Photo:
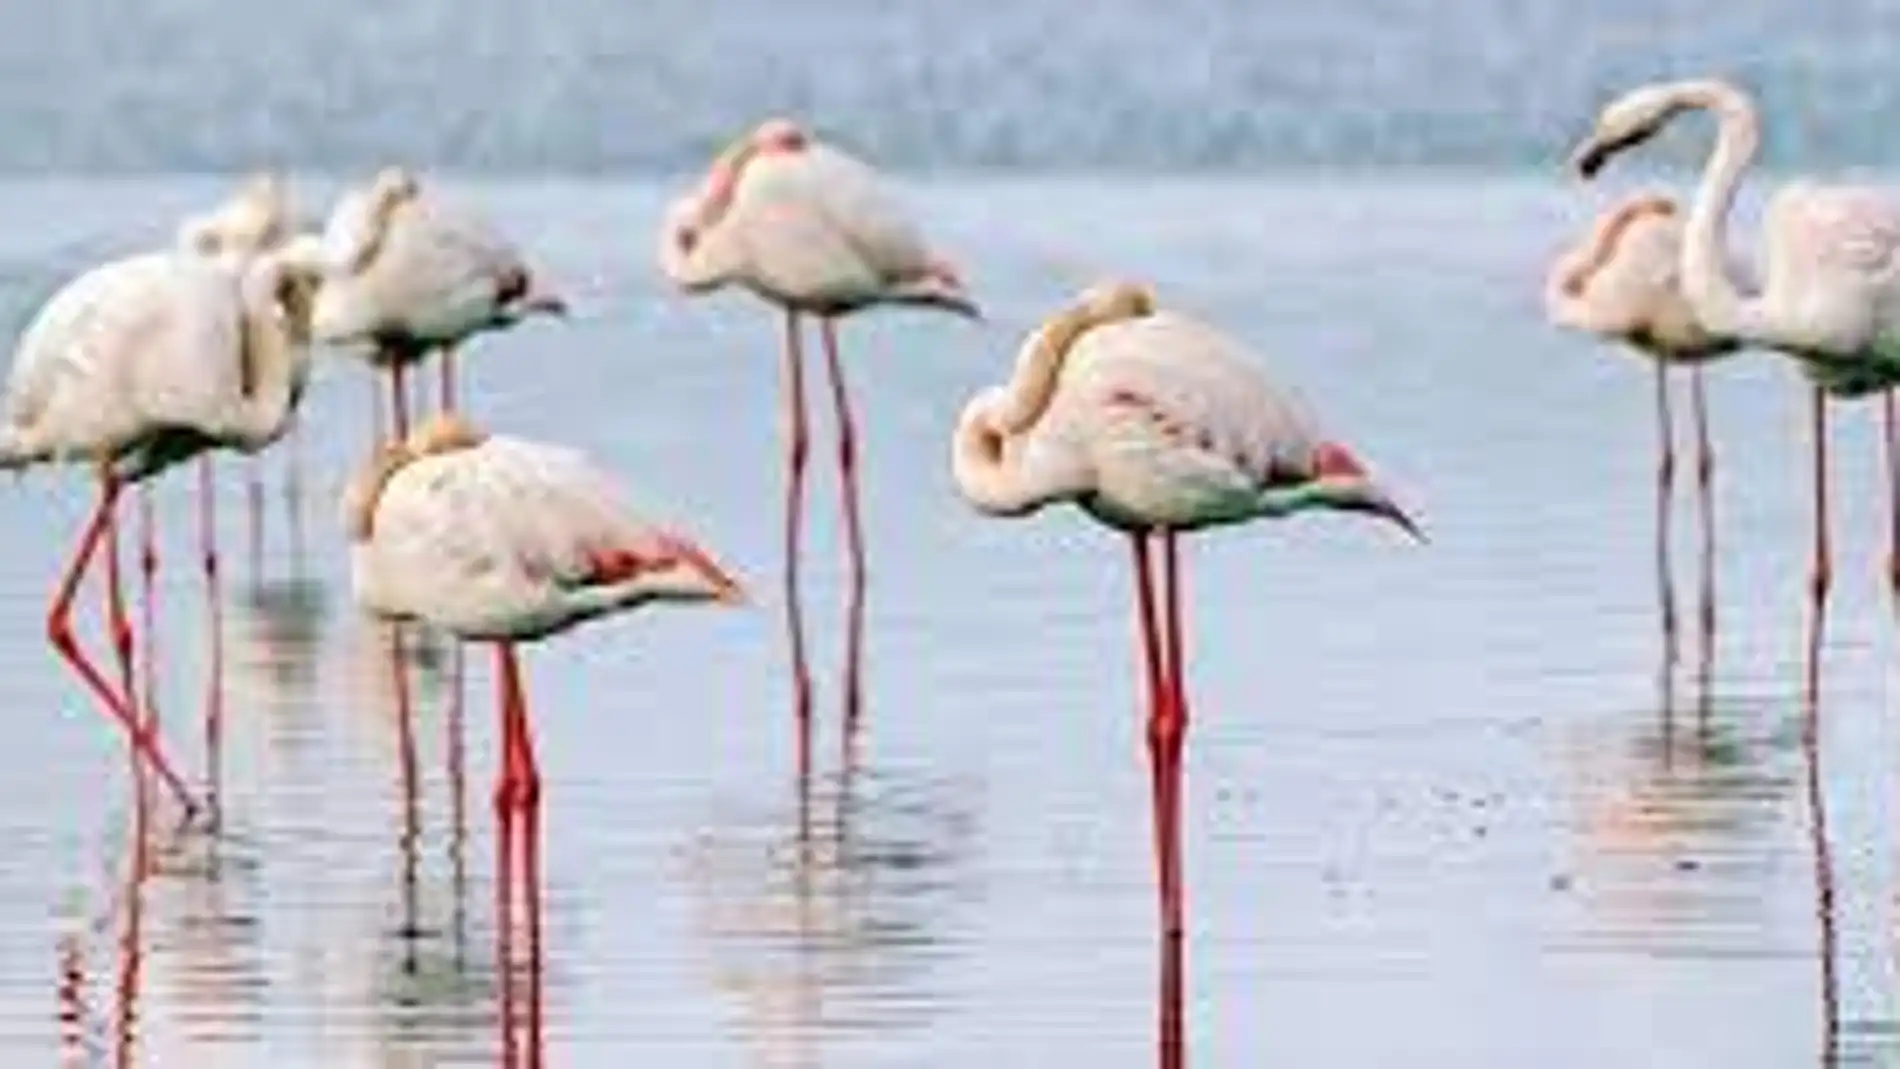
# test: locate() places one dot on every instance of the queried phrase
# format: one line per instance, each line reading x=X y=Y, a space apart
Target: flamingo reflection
x=835 y=918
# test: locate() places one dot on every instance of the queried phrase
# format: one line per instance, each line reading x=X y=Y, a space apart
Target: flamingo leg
x=214 y=611
x=1167 y=743
x=399 y=398
x=132 y=934
x=796 y=445
x=1155 y=652
x=527 y=799
x=448 y=378
x=118 y=621
x=410 y=836
x=406 y=762
x=458 y=825
x=1893 y=485
x=148 y=602
x=254 y=509
x=1821 y=577
x=379 y=416
x=505 y=786
x=59 y=632
x=1705 y=490
x=1665 y=486
x=853 y=527
x=293 y=491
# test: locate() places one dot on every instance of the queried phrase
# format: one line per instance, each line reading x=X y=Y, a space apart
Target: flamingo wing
x=1845 y=228
x=540 y=513
x=135 y=340
x=1182 y=414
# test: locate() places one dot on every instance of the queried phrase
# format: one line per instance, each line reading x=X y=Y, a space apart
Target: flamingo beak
x=722 y=587
x=1378 y=504
x=545 y=304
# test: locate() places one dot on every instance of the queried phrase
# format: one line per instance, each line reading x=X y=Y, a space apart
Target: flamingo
x=256 y=219
x=1621 y=282
x=132 y=368
x=1154 y=424
x=409 y=272
x=1831 y=292
x=812 y=229
x=504 y=540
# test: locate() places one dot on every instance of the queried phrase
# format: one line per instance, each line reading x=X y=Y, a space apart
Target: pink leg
x=1705 y=488
x=854 y=531
x=214 y=611
x=405 y=720
x=132 y=937
x=1665 y=484
x=796 y=445
x=59 y=632
x=148 y=603
x=1821 y=577
x=458 y=822
x=1160 y=699
x=505 y=787
x=1166 y=741
x=117 y=620
x=527 y=799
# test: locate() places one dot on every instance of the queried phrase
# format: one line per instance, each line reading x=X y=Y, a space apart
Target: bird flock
x=1146 y=418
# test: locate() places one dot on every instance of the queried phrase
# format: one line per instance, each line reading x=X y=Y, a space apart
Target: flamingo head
x=1338 y=481
x=661 y=566
x=1624 y=123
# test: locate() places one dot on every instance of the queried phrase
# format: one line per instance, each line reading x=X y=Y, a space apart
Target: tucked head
x=1337 y=480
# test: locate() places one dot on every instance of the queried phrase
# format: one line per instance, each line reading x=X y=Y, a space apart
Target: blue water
x=1444 y=808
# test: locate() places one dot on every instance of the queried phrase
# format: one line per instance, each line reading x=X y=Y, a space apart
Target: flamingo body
x=1623 y=282
x=503 y=538
x=408 y=267
x=807 y=226
x=1148 y=420
x=145 y=361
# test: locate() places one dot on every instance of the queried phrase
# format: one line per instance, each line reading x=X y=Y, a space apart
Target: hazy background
x=589 y=86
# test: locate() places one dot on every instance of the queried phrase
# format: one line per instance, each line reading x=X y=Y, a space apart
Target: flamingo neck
x=1718 y=303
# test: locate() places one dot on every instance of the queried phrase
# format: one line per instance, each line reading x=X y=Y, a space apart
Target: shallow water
x=1440 y=806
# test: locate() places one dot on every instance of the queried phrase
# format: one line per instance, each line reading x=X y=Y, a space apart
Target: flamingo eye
x=686 y=237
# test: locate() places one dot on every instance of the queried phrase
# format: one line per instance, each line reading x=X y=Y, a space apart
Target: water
x=1439 y=806
x=1443 y=805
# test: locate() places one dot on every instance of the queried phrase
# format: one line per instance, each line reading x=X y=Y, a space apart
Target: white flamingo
x=503 y=540
x=1621 y=282
x=812 y=229
x=1154 y=424
x=256 y=219
x=132 y=368
x=409 y=271
x=1831 y=270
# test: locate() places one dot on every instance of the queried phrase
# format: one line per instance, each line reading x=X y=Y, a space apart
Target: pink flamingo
x=410 y=272
x=1830 y=296
x=503 y=540
x=1622 y=282
x=1154 y=424
x=811 y=229
x=255 y=220
x=132 y=368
